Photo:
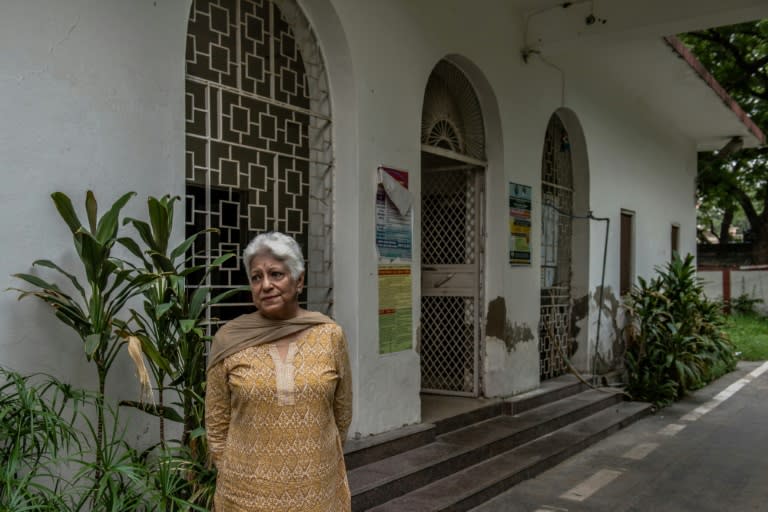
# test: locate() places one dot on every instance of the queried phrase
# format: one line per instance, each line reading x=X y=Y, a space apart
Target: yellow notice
x=395 y=308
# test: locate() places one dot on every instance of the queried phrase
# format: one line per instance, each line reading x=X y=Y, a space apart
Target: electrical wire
x=578 y=374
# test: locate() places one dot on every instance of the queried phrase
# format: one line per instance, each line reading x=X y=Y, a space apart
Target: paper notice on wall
x=395 y=308
x=519 y=224
x=393 y=215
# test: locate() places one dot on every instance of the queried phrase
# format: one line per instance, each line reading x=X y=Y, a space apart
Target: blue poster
x=393 y=215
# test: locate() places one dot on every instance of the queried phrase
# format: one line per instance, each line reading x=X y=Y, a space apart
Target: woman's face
x=275 y=293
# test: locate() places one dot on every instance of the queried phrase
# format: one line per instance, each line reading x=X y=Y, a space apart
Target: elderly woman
x=278 y=398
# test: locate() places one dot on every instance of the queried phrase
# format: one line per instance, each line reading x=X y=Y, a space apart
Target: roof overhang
x=716 y=119
x=628 y=45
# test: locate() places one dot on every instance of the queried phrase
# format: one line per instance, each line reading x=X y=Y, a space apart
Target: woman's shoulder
x=331 y=328
x=326 y=333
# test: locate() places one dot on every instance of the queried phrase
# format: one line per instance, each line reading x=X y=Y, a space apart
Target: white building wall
x=394 y=46
x=95 y=94
x=91 y=97
x=636 y=164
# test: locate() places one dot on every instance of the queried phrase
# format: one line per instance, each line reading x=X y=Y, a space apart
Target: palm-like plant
x=119 y=482
x=36 y=416
x=92 y=310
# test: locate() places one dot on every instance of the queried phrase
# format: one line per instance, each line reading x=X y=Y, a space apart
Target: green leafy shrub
x=743 y=304
x=35 y=428
x=677 y=342
x=75 y=462
x=47 y=442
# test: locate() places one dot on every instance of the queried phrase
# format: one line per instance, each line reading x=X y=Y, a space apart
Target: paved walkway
x=706 y=453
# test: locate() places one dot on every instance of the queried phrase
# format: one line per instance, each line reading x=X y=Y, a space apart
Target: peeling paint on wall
x=497 y=325
x=497 y=316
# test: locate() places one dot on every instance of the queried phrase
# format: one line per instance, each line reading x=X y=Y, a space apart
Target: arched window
x=258 y=140
x=451 y=118
x=555 y=339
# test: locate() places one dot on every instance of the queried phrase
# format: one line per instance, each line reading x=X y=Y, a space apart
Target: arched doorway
x=258 y=140
x=453 y=166
x=555 y=336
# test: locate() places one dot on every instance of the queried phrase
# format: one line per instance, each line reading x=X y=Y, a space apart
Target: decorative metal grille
x=258 y=140
x=451 y=116
x=449 y=323
x=448 y=218
x=555 y=339
x=448 y=349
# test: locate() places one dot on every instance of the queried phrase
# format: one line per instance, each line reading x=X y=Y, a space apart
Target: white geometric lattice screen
x=258 y=139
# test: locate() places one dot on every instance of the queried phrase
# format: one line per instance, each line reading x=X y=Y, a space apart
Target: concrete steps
x=462 y=461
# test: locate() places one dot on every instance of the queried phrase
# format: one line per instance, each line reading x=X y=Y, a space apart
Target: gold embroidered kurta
x=275 y=427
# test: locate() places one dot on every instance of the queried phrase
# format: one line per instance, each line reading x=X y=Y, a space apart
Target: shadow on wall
x=612 y=315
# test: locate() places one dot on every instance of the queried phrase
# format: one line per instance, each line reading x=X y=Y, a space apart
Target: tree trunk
x=760 y=244
x=725 y=226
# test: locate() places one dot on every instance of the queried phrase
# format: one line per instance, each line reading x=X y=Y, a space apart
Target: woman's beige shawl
x=253 y=329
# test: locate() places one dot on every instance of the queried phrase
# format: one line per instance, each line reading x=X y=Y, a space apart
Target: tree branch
x=713 y=230
x=746 y=204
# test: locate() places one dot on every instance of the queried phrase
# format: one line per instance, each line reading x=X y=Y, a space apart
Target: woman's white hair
x=280 y=246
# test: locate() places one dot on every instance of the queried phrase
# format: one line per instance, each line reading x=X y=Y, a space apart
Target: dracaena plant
x=678 y=343
x=171 y=322
x=172 y=328
x=92 y=309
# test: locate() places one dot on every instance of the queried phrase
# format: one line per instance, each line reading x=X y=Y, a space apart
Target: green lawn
x=749 y=332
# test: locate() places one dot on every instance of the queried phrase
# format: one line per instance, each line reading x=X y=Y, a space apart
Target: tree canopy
x=734 y=184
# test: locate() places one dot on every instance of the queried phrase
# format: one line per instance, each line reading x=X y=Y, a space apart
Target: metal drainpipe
x=602 y=287
x=590 y=216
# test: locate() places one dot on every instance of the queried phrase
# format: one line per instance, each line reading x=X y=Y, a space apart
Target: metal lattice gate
x=451 y=256
x=258 y=140
x=555 y=338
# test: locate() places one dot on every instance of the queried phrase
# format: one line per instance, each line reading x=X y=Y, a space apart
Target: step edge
x=443 y=426
x=550 y=426
x=387 y=444
x=630 y=417
x=557 y=458
x=548 y=391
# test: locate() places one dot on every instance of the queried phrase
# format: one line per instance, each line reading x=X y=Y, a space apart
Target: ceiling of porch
x=624 y=43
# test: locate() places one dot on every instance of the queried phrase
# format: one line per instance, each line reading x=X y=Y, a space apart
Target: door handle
x=444 y=280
